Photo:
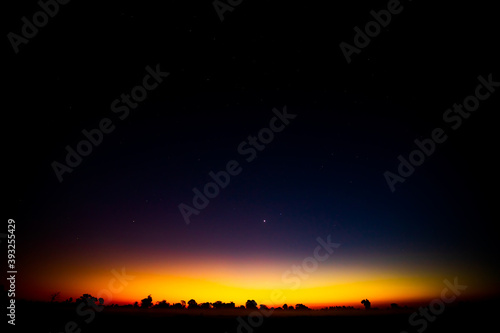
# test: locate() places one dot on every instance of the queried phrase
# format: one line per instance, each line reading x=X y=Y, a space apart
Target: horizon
x=317 y=290
x=377 y=305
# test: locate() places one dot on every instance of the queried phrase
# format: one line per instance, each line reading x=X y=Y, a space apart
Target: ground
x=31 y=317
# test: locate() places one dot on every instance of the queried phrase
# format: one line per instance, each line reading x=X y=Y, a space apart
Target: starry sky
x=322 y=175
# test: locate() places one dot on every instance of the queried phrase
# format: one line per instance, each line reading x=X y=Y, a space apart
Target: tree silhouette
x=205 y=305
x=183 y=303
x=263 y=307
x=178 y=306
x=366 y=303
x=285 y=306
x=251 y=304
x=220 y=305
x=54 y=296
x=162 y=305
x=89 y=299
x=301 y=307
x=147 y=302
x=192 y=304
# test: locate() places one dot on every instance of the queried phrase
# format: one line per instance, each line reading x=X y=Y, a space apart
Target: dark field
x=49 y=318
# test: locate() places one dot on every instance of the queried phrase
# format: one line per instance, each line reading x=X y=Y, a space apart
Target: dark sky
x=322 y=175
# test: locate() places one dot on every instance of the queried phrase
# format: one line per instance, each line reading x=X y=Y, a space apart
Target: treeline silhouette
x=147 y=303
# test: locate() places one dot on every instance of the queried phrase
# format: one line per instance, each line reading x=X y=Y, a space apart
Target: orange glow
x=209 y=281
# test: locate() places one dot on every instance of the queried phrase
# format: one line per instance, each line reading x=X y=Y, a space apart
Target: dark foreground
x=39 y=317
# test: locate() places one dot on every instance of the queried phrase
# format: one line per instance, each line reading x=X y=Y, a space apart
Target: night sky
x=321 y=175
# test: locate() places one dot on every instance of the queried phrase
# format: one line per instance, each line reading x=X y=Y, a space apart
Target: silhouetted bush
x=366 y=303
x=89 y=299
x=251 y=305
x=147 y=302
x=178 y=306
x=205 y=305
x=394 y=306
x=192 y=304
x=301 y=307
x=162 y=305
